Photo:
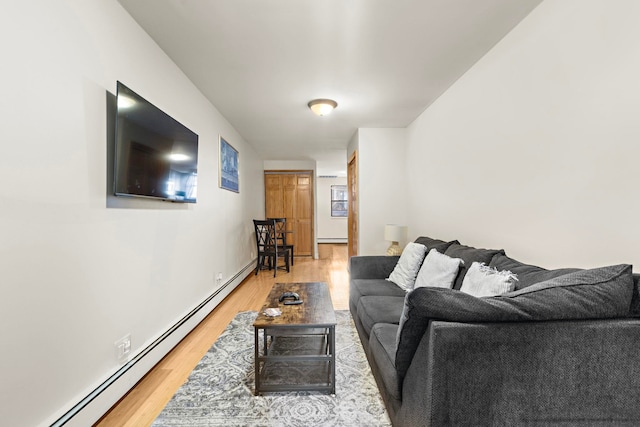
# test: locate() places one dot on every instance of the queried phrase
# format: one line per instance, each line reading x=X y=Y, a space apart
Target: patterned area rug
x=219 y=391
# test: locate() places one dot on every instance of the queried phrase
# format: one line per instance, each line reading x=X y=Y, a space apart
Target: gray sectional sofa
x=562 y=349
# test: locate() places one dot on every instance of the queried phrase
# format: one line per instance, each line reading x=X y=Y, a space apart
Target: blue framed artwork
x=228 y=174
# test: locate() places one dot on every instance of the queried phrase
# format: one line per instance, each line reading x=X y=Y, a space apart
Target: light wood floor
x=147 y=399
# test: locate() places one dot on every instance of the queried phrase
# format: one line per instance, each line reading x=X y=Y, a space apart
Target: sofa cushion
x=586 y=294
x=439 y=245
x=484 y=281
x=374 y=287
x=469 y=254
x=382 y=348
x=527 y=274
x=406 y=270
x=634 y=310
x=373 y=309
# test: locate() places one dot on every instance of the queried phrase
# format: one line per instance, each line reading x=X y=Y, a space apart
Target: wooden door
x=303 y=215
x=290 y=195
x=352 y=186
x=273 y=190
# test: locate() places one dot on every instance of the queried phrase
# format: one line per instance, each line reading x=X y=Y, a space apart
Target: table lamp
x=394 y=234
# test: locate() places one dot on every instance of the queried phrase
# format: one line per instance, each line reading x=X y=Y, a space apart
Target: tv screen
x=155 y=155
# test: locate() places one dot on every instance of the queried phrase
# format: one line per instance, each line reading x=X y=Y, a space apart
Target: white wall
x=81 y=269
x=382 y=185
x=330 y=229
x=535 y=149
x=280 y=165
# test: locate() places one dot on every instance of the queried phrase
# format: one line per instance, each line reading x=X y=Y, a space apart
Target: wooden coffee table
x=296 y=350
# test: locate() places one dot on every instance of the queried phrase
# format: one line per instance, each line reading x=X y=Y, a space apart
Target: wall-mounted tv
x=155 y=156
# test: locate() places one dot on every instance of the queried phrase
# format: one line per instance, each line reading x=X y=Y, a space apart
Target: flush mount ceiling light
x=322 y=107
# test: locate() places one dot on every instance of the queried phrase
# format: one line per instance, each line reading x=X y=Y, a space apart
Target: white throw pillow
x=484 y=281
x=438 y=270
x=405 y=272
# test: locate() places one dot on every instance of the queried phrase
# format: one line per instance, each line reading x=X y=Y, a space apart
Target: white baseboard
x=333 y=240
x=93 y=406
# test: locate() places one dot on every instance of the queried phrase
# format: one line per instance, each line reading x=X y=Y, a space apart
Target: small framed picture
x=228 y=177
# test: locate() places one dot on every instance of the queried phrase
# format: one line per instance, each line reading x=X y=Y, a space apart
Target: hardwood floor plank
x=147 y=399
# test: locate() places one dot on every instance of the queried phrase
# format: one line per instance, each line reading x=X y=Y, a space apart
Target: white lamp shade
x=394 y=233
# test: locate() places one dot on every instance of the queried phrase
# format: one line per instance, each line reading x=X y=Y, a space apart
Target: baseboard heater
x=68 y=417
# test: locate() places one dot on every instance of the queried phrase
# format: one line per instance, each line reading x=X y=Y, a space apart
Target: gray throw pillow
x=527 y=274
x=439 y=245
x=469 y=255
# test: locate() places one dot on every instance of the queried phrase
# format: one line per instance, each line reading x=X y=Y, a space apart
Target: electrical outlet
x=219 y=278
x=123 y=348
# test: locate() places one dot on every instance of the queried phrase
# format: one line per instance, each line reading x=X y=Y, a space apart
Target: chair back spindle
x=268 y=248
x=281 y=236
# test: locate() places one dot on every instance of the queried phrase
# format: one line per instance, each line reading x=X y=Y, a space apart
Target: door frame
x=352 y=188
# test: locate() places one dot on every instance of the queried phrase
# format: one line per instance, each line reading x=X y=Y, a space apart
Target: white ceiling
x=384 y=61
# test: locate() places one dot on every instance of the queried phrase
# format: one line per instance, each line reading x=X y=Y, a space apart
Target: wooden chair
x=268 y=249
x=281 y=235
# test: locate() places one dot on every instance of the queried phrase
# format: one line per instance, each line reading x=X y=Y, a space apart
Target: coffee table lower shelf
x=295 y=360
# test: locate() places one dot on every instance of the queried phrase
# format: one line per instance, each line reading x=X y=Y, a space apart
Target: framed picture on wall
x=228 y=177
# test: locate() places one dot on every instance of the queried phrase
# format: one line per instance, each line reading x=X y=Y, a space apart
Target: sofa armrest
x=588 y=294
x=372 y=266
x=534 y=373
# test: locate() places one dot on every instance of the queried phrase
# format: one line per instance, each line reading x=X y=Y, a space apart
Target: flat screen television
x=155 y=156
